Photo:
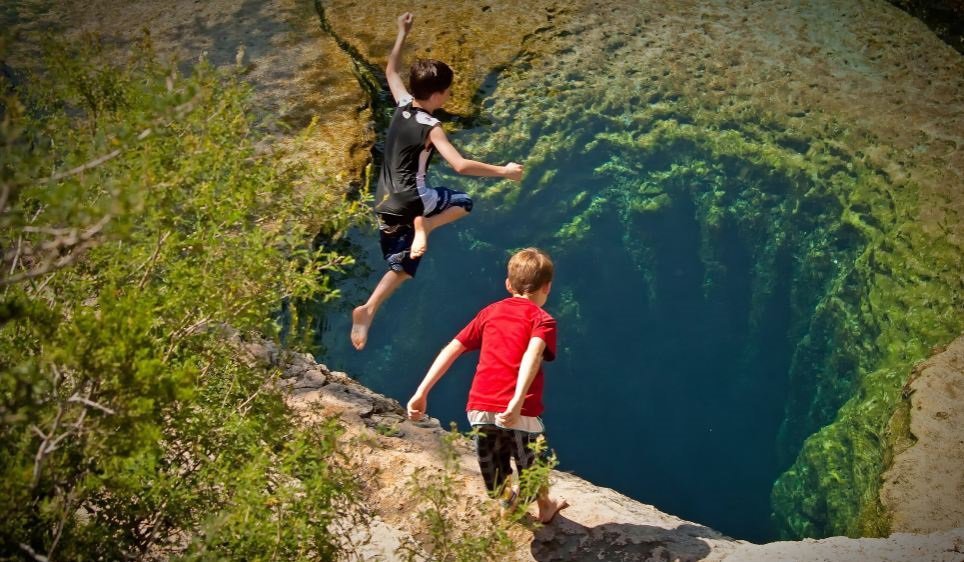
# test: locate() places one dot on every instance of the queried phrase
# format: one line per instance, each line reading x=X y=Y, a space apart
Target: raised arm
x=531 y=360
x=468 y=167
x=395 y=82
x=417 y=404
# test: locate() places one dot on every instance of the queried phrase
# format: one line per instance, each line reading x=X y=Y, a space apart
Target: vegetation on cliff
x=138 y=220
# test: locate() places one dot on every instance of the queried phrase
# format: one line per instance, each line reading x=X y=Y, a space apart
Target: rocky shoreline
x=601 y=524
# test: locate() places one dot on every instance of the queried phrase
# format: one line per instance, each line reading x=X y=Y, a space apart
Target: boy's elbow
x=461 y=166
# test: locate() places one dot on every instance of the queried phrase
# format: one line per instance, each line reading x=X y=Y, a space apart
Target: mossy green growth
x=872 y=291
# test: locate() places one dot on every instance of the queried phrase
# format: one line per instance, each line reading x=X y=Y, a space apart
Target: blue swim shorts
x=396 y=238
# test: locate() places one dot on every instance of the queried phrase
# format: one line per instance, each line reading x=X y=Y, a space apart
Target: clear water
x=683 y=282
x=661 y=390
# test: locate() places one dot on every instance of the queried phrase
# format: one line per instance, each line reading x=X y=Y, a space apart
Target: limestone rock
x=901 y=547
x=924 y=487
x=313 y=378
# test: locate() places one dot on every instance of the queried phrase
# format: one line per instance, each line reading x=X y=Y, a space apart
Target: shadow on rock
x=566 y=540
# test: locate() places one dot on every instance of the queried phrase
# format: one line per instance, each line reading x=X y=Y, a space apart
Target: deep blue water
x=664 y=388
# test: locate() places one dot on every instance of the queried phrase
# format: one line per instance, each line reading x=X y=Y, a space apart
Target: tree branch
x=33 y=554
x=16 y=257
x=91 y=403
x=179 y=112
x=74 y=242
x=93 y=163
x=149 y=264
x=42 y=452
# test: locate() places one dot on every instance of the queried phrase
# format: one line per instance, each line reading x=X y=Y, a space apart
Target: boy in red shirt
x=505 y=401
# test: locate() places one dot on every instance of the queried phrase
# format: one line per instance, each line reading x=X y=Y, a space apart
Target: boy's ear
x=508 y=286
x=436 y=98
x=548 y=287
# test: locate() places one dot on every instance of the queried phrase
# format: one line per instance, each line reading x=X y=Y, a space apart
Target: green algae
x=872 y=290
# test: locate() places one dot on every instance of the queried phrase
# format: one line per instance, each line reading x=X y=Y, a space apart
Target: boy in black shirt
x=408 y=209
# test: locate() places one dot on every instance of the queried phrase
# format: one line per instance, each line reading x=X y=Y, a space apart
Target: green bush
x=137 y=219
x=479 y=532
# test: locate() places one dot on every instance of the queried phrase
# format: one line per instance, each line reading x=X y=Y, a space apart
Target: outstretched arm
x=468 y=167
x=395 y=82
x=448 y=355
x=531 y=360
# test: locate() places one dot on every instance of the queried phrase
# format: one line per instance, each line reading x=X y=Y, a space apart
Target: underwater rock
x=944 y=17
x=298 y=72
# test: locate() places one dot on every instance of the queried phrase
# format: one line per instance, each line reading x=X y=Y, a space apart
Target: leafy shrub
x=479 y=532
x=137 y=217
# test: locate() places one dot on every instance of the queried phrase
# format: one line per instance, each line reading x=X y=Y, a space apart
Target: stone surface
x=600 y=523
x=937 y=547
x=312 y=378
x=924 y=487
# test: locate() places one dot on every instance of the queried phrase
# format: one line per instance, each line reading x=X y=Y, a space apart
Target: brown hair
x=428 y=76
x=529 y=270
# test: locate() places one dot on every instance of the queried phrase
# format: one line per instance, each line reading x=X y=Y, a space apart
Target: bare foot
x=549 y=509
x=360 y=321
x=419 y=244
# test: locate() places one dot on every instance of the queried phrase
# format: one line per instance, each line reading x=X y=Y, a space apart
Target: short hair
x=529 y=270
x=428 y=76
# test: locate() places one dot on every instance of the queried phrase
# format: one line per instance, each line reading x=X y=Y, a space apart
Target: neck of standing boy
x=538 y=298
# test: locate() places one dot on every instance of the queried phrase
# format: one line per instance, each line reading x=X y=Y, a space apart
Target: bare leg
x=549 y=507
x=451 y=214
x=428 y=224
x=362 y=316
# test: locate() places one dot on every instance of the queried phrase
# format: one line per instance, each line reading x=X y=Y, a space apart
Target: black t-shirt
x=402 y=193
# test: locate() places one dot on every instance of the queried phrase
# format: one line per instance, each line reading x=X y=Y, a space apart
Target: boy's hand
x=416 y=407
x=513 y=171
x=510 y=416
x=405 y=22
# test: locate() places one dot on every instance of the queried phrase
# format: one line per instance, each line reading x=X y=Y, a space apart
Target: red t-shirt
x=502 y=331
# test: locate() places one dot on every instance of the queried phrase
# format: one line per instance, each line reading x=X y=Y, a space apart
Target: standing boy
x=505 y=401
x=408 y=209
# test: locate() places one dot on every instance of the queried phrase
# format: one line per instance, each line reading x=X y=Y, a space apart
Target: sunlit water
x=682 y=281
x=672 y=400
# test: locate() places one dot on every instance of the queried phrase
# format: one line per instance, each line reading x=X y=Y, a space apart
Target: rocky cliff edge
x=601 y=524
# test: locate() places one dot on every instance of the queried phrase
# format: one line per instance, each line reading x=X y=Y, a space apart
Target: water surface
x=688 y=261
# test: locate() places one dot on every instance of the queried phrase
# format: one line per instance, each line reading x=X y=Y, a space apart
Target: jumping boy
x=407 y=208
x=505 y=399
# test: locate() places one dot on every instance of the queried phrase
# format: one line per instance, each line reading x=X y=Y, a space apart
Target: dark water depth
x=671 y=380
x=689 y=262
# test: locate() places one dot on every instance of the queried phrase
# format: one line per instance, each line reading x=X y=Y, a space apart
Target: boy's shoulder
x=406 y=111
